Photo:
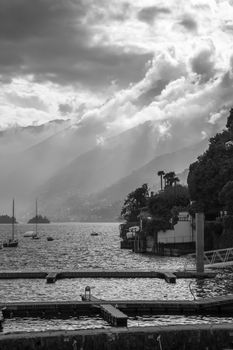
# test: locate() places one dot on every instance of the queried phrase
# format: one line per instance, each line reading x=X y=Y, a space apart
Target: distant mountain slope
x=103 y=165
x=176 y=161
x=106 y=204
x=43 y=151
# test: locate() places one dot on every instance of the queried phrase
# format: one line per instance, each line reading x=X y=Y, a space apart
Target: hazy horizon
x=76 y=76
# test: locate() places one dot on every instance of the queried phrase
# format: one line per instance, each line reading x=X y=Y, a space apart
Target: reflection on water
x=110 y=289
x=44 y=324
x=165 y=320
x=74 y=248
x=18 y=324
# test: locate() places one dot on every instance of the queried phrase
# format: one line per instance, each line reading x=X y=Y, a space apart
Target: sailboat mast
x=36 y=217
x=13 y=218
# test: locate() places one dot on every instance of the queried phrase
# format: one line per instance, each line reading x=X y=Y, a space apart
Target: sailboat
x=35 y=234
x=12 y=242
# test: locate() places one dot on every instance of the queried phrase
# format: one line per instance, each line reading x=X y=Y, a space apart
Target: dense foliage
x=39 y=219
x=159 y=211
x=212 y=171
x=165 y=206
x=5 y=219
x=226 y=197
x=134 y=202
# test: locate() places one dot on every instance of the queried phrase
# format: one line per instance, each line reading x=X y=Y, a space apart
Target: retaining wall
x=201 y=337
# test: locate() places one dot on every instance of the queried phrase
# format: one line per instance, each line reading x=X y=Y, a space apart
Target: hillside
x=101 y=167
x=106 y=204
x=176 y=161
x=71 y=171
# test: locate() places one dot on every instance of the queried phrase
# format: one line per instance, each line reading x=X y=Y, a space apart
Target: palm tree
x=161 y=173
x=169 y=178
x=175 y=180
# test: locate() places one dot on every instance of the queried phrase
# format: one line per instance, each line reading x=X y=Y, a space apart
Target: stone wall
x=201 y=337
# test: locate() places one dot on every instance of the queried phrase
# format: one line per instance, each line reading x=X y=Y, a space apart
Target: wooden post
x=13 y=222
x=200 y=242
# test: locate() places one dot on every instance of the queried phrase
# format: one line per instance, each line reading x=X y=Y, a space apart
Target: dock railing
x=218 y=258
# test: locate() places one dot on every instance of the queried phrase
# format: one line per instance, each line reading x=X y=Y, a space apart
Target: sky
x=114 y=64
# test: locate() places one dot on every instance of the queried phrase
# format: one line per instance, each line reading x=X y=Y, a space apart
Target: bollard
x=88 y=289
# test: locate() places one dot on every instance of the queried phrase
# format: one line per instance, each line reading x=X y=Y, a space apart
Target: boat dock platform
x=53 y=276
x=220 y=306
x=110 y=313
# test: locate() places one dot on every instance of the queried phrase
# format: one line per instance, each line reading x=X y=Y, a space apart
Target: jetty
x=220 y=306
x=53 y=276
x=110 y=313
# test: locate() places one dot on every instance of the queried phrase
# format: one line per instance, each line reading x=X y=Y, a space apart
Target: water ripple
x=74 y=248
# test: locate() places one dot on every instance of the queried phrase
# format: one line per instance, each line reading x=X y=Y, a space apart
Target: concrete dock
x=109 y=313
x=220 y=306
x=169 y=276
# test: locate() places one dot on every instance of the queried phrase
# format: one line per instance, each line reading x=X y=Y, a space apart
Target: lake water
x=74 y=248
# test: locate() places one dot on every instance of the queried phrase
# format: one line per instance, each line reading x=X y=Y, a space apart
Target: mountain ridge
x=110 y=199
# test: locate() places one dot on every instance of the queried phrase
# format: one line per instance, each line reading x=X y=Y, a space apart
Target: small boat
x=35 y=234
x=28 y=234
x=50 y=238
x=94 y=234
x=12 y=242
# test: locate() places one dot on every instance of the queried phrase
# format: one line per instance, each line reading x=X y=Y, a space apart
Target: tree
x=176 y=179
x=134 y=202
x=161 y=173
x=5 y=219
x=162 y=204
x=170 y=178
x=229 y=123
x=212 y=170
x=226 y=197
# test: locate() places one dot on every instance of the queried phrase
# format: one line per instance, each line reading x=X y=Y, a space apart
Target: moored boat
x=12 y=242
x=28 y=234
x=94 y=233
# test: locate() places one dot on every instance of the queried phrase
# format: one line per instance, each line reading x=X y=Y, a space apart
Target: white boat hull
x=29 y=234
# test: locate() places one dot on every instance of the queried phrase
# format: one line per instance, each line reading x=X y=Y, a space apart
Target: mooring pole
x=200 y=242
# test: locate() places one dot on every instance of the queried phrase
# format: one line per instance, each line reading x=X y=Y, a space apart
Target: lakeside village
x=163 y=223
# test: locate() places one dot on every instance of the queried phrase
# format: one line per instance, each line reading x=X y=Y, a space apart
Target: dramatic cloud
x=54 y=41
x=148 y=14
x=188 y=22
x=113 y=65
x=65 y=108
x=203 y=61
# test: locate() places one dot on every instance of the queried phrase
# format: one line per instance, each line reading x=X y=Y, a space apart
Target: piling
x=1 y=320
x=200 y=242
